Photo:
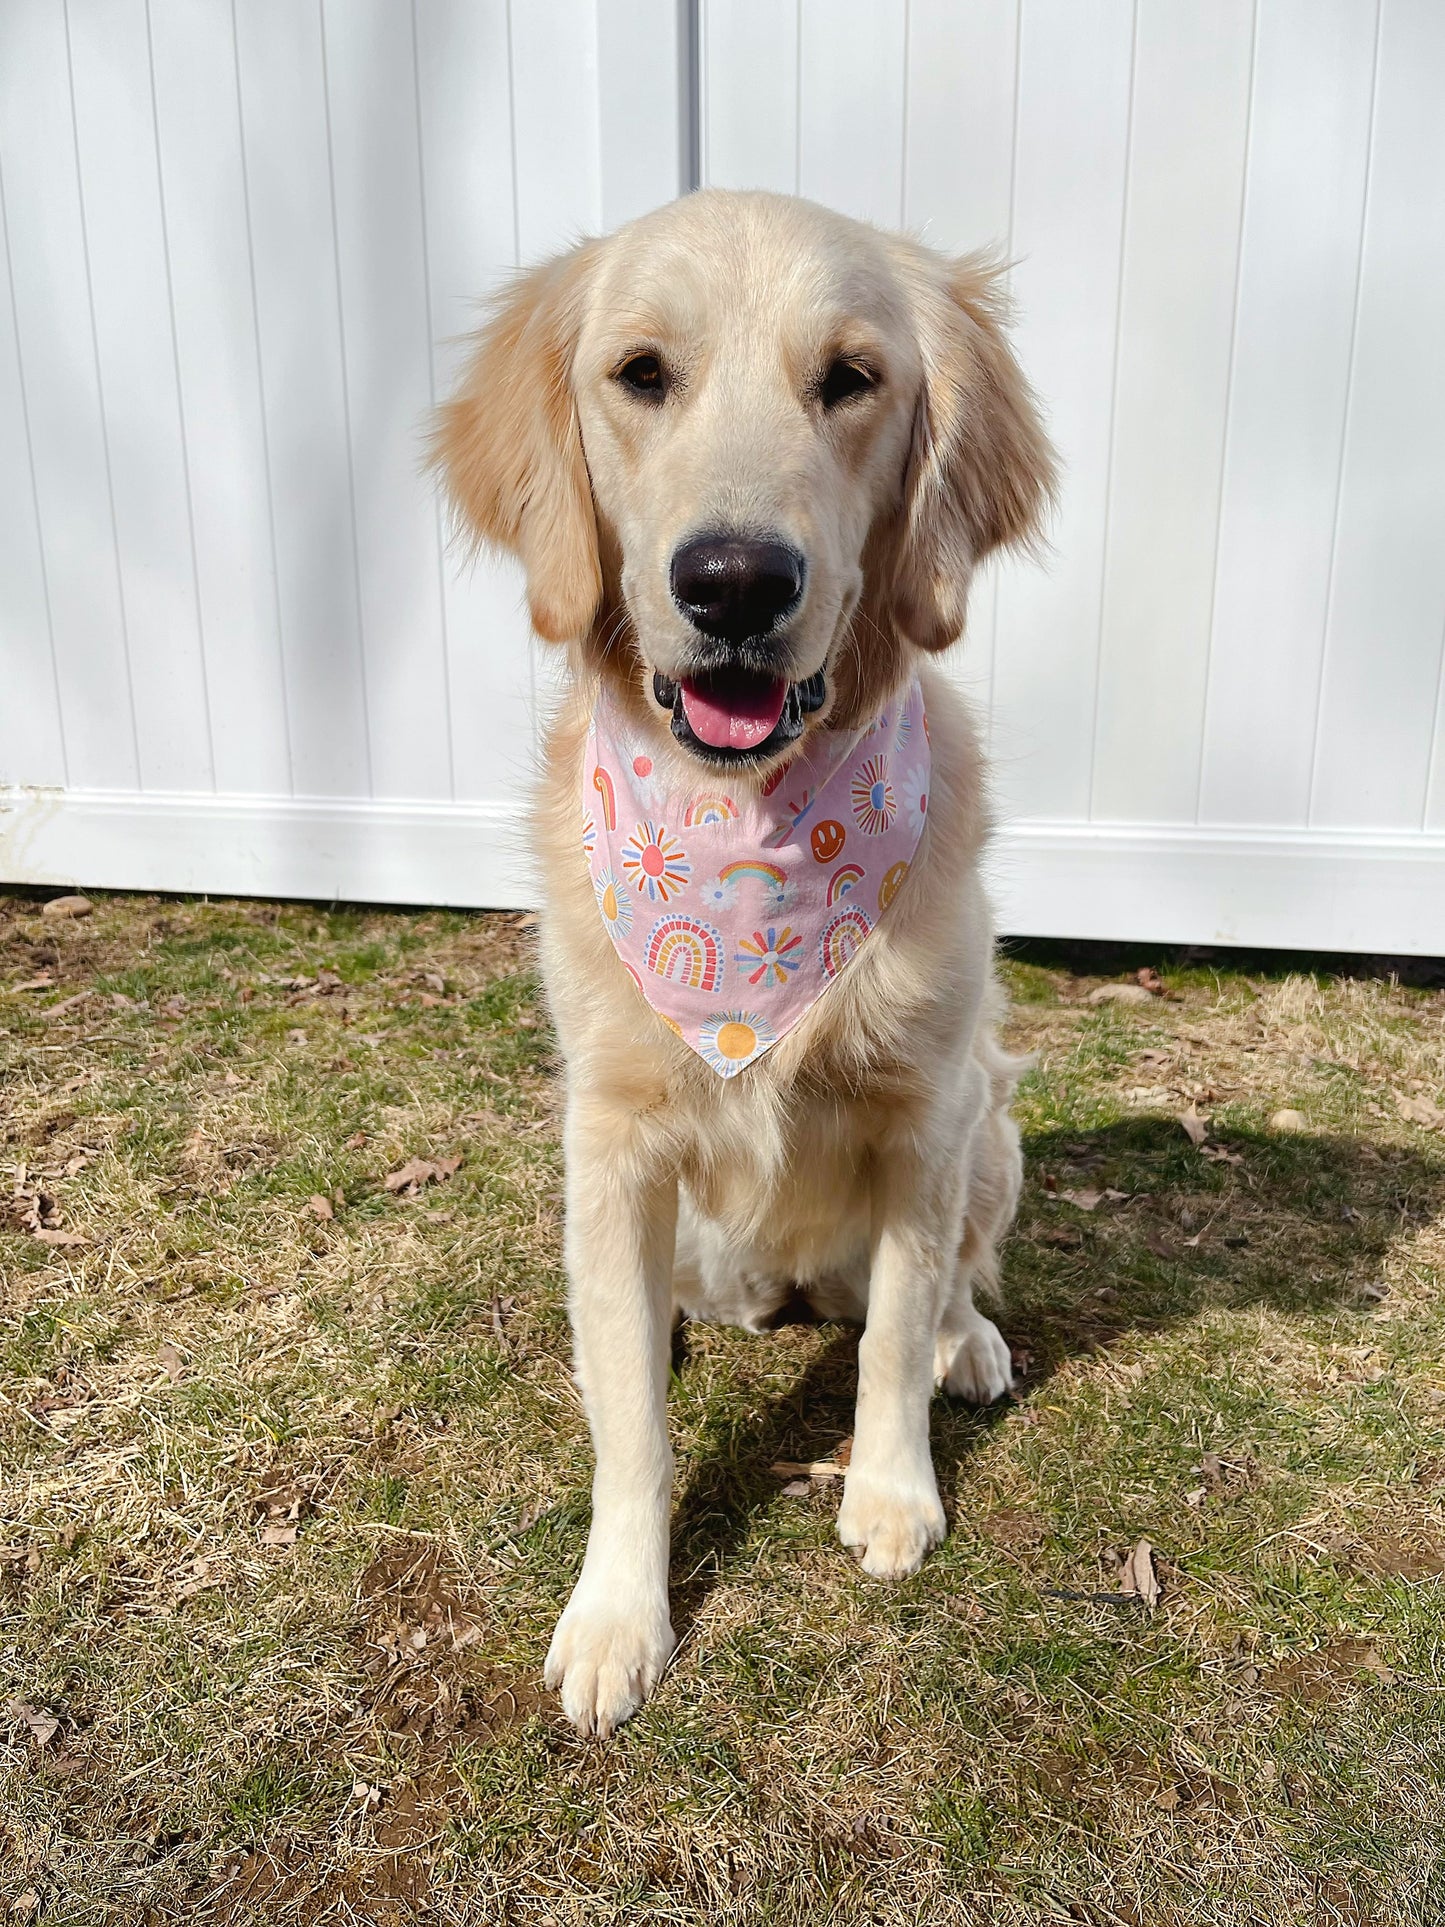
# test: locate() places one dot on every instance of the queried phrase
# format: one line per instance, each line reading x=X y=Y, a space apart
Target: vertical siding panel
x=32 y=743
x=1191 y=105
x=466 y=119
x=850 y=123
x=556 y=129
x=641 y=105
x=557 y=148
x=750 y=113
x=283 y=109
x=959 y=136
x=376 y=168
x=67 y=435
x=1298 y=276
x=1387 y=602
x=1434 y=815
x=958 y=192
x=130 y=289
x=1074 y=84
x=204 y=202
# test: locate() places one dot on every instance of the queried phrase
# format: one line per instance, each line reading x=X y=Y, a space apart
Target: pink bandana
x=732 y=917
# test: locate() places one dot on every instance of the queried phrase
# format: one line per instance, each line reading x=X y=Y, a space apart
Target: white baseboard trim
x=469 y=855
x=1348 y=890
x=1272 y=889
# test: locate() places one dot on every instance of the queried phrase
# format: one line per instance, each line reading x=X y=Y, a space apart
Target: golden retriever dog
x=749 y=453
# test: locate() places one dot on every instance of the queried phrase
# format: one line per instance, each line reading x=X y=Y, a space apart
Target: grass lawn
x=293 y=1477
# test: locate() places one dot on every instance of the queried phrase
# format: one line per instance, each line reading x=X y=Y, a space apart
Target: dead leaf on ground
x=416 y=1173
x=60 y=908
x=172 y=1363
x=320 y=1207
x=1137 y=1577
x=1194 y=1127
x=1420 y=1110
x=65 y=1006
x=355 y=1141
x=279 y=1501
x=1121 y=994
x=797 y=1489
x=1065 y=1237
x=1288 y=1120
x=42 y=1723
x=1219 y=1154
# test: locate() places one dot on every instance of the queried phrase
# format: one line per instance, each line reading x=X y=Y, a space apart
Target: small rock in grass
x=1121 y=994
x=59 y=907
x=1289 y=1121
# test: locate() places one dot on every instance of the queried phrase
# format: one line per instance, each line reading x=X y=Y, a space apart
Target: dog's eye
x=844 y=380
x=643 y=375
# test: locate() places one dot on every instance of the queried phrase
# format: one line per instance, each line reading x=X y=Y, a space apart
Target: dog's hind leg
x=970 y=1357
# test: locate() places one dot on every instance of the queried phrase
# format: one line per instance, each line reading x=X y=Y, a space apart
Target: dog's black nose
x=735 y=586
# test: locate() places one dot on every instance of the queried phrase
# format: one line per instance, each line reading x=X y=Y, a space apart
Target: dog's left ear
x=980 y=471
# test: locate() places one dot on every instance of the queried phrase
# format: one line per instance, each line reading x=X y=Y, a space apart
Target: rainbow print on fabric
x=708 y=808
x=844 y=879
x=655 y=863
x=841 y=940
x=765 y=873
x=602 y=783
x=755 y=893
x=686 y=952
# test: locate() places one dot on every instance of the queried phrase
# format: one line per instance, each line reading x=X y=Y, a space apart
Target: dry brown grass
x=288 y=1500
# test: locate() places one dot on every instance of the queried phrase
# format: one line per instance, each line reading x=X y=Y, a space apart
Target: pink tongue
x=733 y=718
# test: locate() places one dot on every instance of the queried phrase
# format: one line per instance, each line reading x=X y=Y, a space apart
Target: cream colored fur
x=868 y=1159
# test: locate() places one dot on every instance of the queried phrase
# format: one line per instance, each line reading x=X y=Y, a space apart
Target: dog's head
x=750 y=453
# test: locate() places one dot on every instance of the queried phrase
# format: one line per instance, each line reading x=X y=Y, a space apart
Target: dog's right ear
x=510 y=448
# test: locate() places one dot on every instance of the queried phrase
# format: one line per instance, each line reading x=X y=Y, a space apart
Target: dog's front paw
x=605 y=1661
x=891 y=1521
x=974 y=1362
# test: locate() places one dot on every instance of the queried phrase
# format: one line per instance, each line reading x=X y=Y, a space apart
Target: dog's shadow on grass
x=1126 y=1229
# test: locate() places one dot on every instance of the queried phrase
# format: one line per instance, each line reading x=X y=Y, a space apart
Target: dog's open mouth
x=732 y=715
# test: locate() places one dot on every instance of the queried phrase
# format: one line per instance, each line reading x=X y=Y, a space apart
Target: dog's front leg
x=615 y=1637
x=891 y=1514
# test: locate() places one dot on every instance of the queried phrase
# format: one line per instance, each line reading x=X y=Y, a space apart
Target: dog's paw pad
x=605 y=1664
x=890 y=1527
x=975 y=1365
